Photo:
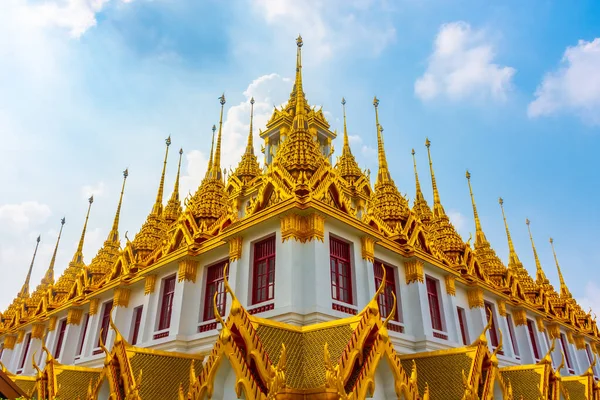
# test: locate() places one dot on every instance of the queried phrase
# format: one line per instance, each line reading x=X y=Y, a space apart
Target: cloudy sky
x=510 y=91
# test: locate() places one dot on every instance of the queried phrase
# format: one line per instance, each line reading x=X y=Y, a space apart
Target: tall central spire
x=347 y=165
x=216 y=166
x=513 y=259
x=49 y=277
x=158 y=204
x=540 y=276
x=173 y=208
x=383 y=174
x=78 y=256
x=479 y=235
x=420 y=205
x=564 y=290
x=113 y=236
x=25 y=289
x=437 y=205
x=212 y=149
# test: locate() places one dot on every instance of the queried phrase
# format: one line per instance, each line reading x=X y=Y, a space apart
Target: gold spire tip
x=214 y=128
x=500 y=201
x=412 y=152
x=343 y=101
x=299 y=42
x=252 y=100
x=427 y=142
x=375 y=101
x=222 y=99
x=527 y=222
x=168 y=141
x=39 y=238
x=181 y=151
x=126 y=173
x=62 y=221
x=468 y=175
x=91 y=199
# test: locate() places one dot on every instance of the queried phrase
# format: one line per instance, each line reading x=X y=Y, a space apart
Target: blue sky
x=510 y=91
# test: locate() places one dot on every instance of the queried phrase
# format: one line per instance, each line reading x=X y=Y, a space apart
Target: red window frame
x=263 y=271
x=62 y=327
x=137 y=319
x=489 y=312
x=341 y=272
x=534 y=343
x=215 y=283
x=25 y=350
x=565 y=350
x=166 y=307
x=462 y=321
x=82 y=339
x=434 y=303
x=386 y=300
x=511 y=332
x=105 y=322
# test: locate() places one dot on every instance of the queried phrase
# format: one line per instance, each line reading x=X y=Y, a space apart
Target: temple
x=295 y=277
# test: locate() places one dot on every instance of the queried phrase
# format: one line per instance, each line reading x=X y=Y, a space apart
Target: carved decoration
x=450 y=285
x=121 y=297
x=520 y=317
x=149 y=284
x=94 y=306
x=413 y=270
x=570 y=337
x=52 y=323
x=37 y=331
x=539 y=322
x=188 y=270
x=235 y=248
x=554 y=331
x=502 y=307
x=74 y=316
x=579 y=342
x=367 y=245
x=20 y=336
x=9 y=342
x=303 y=228
x=475 y=297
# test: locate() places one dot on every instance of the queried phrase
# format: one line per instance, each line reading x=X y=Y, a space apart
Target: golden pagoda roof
x=564 y=290
x=346 y=165
x=443 y=233
x=485 y=253
x=24 y=293
x=173 y=209
x=248 y=167
x=420 y=206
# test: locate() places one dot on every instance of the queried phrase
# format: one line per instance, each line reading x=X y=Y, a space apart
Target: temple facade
x=297 y=278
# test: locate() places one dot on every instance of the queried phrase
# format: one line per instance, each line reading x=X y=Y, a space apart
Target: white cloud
x=96 y=190
x=25 y=215
x=330 y=26
x=591 y=298
x=459 y=221
x=574 y=87
x=462 y=66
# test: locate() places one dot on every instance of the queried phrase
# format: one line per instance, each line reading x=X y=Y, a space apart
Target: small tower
x=173 y=209
x=420 y=206
x=248 y=168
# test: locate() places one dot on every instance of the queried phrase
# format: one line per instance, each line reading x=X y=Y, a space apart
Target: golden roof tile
x=73 y=383
x=346 y=165
x=248 y=167
x=577 y=387
x=527 y=381
x=444 y=234
x=25 y=383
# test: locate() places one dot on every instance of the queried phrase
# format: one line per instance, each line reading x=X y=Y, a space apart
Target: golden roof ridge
x=346 y=165
x=564 y=290
x=24 y=293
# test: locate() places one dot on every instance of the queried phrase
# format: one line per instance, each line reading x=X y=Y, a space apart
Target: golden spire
x=420 y=205
x=540 y=276
x=299 y=154
x=49 y=277
x=212 y=148
x=438 y=209
x=173 y=208
x=158 y=204
x=248 y=167
x=383 y=174
x=486 y=255
x=25 y=289
x=113 y=236
x=347 y=165
x=78 y=256
x=513 y=259
x=216 y=166
x=564 y=290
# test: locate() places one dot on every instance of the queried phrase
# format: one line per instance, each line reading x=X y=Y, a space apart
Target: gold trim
x=539 y=322
x=450 y=285
x=475 y=297
x=303 y=228
x=52 y=323
x=94 y=306
x=501 y=307
x=579 y=342
x=188 y=269
x=37 y=331
x=20 y=336
x=235 y=248
x=149 y=284
x=9 y=342
x=520 y=317
x=413 y=269
x=74 y=316
x=367 y=246
x=553 y=331
x=121 y=297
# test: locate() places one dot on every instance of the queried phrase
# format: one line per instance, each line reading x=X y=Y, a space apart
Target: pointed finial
x=176 y=189
x=564 y=290
x=25 y=289
x=437 y=205
x=250 y=145
x=158 y=204
x=212 y=147
x=475 y=214
x=540 y=276
x=216 y=174
x=78 y=256
x=512 y=254
x=49 y=277
x=383 y=175
x=113 y=236
x=346 y=141
x=419 y=193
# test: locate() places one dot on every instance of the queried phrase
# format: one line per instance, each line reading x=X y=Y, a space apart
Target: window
x=86 y=321
x=341 y=279
x=62 y=326
x=563 y=343
x=534 y=344
x=137 y=318
x=215 y=284
x=588 y=350
x=263 y=273
x=489 y=311
x=386 y=300
x=166 y=306
x=105 y=322
x=462 y=321
x=1 y=350
x=25 y=350
x=511 y=332
x=434 y=303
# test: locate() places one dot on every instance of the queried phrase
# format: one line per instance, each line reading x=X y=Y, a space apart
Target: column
x=121 y=315
x=184 y=319
x=452 y=326
x=149 y=312
x=417 y=319
x=72 y=336
x=477 y=312
x=9 y=351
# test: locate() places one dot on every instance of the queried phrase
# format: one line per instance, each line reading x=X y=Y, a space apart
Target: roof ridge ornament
x=49 y=276
x=78 y=256
x=420 y=205
x=346 y=164
x=24 y=293
x=564 y=290
x=540 y=275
